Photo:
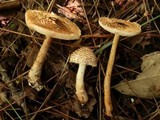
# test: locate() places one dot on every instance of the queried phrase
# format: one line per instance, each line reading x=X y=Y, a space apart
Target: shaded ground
x=19 y=47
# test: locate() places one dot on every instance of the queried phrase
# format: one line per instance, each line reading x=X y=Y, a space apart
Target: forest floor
x=19 y=46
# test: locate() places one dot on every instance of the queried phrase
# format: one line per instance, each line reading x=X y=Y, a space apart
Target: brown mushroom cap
x=84 y=55
x=119 y=26
x=52 y=25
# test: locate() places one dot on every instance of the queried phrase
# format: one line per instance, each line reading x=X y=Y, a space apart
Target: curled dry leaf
x=72 y=9
x=124 y=2
x=147 y=83
x=149 y=59
x=84 y=111
x=138 y=40
x=4 y=21
x=120 y=2
x=30 y=93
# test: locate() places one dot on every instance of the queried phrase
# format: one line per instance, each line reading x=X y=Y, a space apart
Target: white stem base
x=80 y=89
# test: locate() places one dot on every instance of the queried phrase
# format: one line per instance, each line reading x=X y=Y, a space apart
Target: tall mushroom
x=83 y=56
x=52 y=26
x=119 y=28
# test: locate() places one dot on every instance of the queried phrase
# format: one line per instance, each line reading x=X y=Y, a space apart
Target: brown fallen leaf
x=147 y=83
x=149 y=59
x=84 y=111
x=124 y=3
x=72 y=9
x=4 y=21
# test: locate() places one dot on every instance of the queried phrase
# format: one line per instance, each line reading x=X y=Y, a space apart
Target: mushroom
x=118 y=27
x=83 y=56
x=52 y=26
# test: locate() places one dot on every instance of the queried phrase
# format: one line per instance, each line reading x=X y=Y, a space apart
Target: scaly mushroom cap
x=119 y=26
x=84 y=55
x=52 y=25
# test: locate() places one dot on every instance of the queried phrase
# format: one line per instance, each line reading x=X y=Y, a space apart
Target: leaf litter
x=19 y=46
x=146 y=84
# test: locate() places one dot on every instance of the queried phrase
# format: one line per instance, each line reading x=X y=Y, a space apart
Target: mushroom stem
x=107 y=79
x=35 y=71
x=80 y=89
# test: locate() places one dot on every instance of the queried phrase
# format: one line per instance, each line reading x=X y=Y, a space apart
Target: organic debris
x=72 y=9
x=84 y=110
x=135 y=70
x=4 y=21
x=147 y=83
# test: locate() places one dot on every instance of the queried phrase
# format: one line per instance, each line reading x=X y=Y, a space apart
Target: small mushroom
x=83 y=56
x=119 y=28
x=52 y=26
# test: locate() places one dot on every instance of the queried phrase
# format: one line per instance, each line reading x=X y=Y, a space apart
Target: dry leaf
x=4 y=21
x=30 y=93
x=72 y=9
x=84 y=111
x=125 y=2
x=146 y=85
x=138 y=40
x=149 y=59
